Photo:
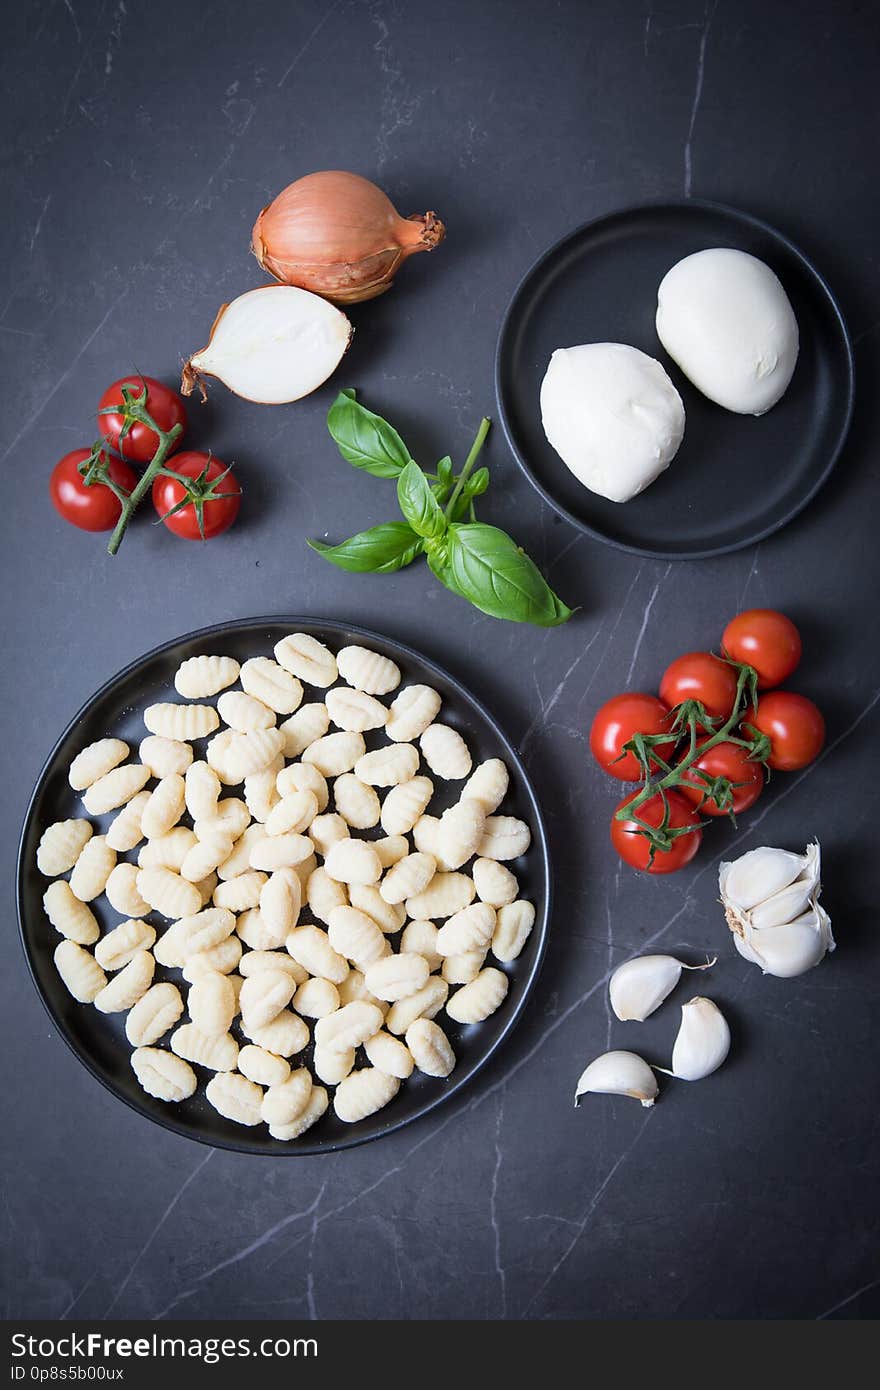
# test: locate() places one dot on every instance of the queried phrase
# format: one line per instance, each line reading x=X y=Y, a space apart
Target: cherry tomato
x=794 y=726
x=212 y=496
x=92 y=508
x=766 y=640
x=700 y=676
x=141 y=443
x=634 y=849
x=733 y=762
x=614 y=725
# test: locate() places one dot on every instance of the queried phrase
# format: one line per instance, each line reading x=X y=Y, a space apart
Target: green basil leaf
x=381 y=550
x=418 y=503
x=364 y=439
x=483 y=565
x=444 y=471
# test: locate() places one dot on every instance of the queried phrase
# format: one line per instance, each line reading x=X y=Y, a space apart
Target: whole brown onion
x=339 y=236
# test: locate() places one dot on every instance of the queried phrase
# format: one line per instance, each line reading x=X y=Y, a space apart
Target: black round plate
x=735 y=479
x=99 y=1040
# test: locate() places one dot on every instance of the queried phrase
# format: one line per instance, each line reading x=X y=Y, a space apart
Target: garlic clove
x=759 y=874
x=619 y=1074
x=783 y=906
x=639 y=986
x=792 y=949
x=271 y=345
x=703 y=1040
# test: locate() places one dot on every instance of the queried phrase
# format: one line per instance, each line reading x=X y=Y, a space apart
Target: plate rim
x=539 y=841
x=679 y=205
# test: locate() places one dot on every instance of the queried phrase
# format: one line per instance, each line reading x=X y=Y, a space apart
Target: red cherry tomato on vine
x=614 y=725
x=634 y=849
x=91 y=508
x=211 y=496
x=724 y=760
x=141 y=443
x=794 y=726
x=700 y=676
x=766 y=640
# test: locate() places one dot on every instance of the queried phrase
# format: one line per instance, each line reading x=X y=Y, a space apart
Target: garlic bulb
x=703 y=1040
x=639 y=986
x=771 y=901
x=619 y=1074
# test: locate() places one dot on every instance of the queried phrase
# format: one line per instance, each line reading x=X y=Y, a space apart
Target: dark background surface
x=142 y=140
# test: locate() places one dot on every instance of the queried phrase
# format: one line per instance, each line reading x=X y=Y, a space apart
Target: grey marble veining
x=142 y=142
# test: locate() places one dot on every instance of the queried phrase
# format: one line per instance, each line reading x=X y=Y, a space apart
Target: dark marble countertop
x=142 y=140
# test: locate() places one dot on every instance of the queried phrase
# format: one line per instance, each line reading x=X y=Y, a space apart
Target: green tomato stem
x=167 y=441
x=674 y=776
x=479 y=441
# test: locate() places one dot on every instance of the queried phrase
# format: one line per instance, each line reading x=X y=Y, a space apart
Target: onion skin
x=339 y=236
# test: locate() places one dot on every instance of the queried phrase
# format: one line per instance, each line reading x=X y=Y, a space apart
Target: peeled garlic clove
x=757 y=875
x=639 y=986
x=619 y=1074
x=271 y=345
x=703 y=1040
x=792 y=949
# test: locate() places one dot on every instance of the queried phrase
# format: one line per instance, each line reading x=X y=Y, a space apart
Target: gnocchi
x=125 y=831
x=80 y=973
x=405 y=804
x=127 y=986
x=356 y=802
x=354 y=710
x=307 y=725
x=235 y=1098
x=368 y=671
x=514 y=926
x=445 y=752
x=169 y=894
x=387 y=1053
x=363 y=1092
x=244 y=712
x=202 y=676
x=477 y=1000
x=291 y=918
x=504 y=837
x=69 y=915
x=61 y=845
x=411 y=712
x=315 y=1107
x=120 y=945
x=181 y=722
x=165 y=755
x=122 y=893
x=92 y=869
x=95 y=761
x=430 y=1048
x=162 y=1074
x=164 y=808
x=307 y=659
x=388 y=766
x=335 y=753
x=153 y=1015
x=268 y=682
x=115 y=788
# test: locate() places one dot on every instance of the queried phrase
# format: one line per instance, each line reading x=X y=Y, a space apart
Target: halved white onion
x=271 y=345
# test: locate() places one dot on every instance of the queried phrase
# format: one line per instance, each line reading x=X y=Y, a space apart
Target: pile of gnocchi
x=280 y=924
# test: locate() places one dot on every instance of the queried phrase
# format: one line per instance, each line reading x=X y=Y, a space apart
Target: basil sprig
x=479 y=563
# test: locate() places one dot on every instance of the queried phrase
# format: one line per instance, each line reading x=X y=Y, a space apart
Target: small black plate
x=98 y=1040
x=735 y=479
